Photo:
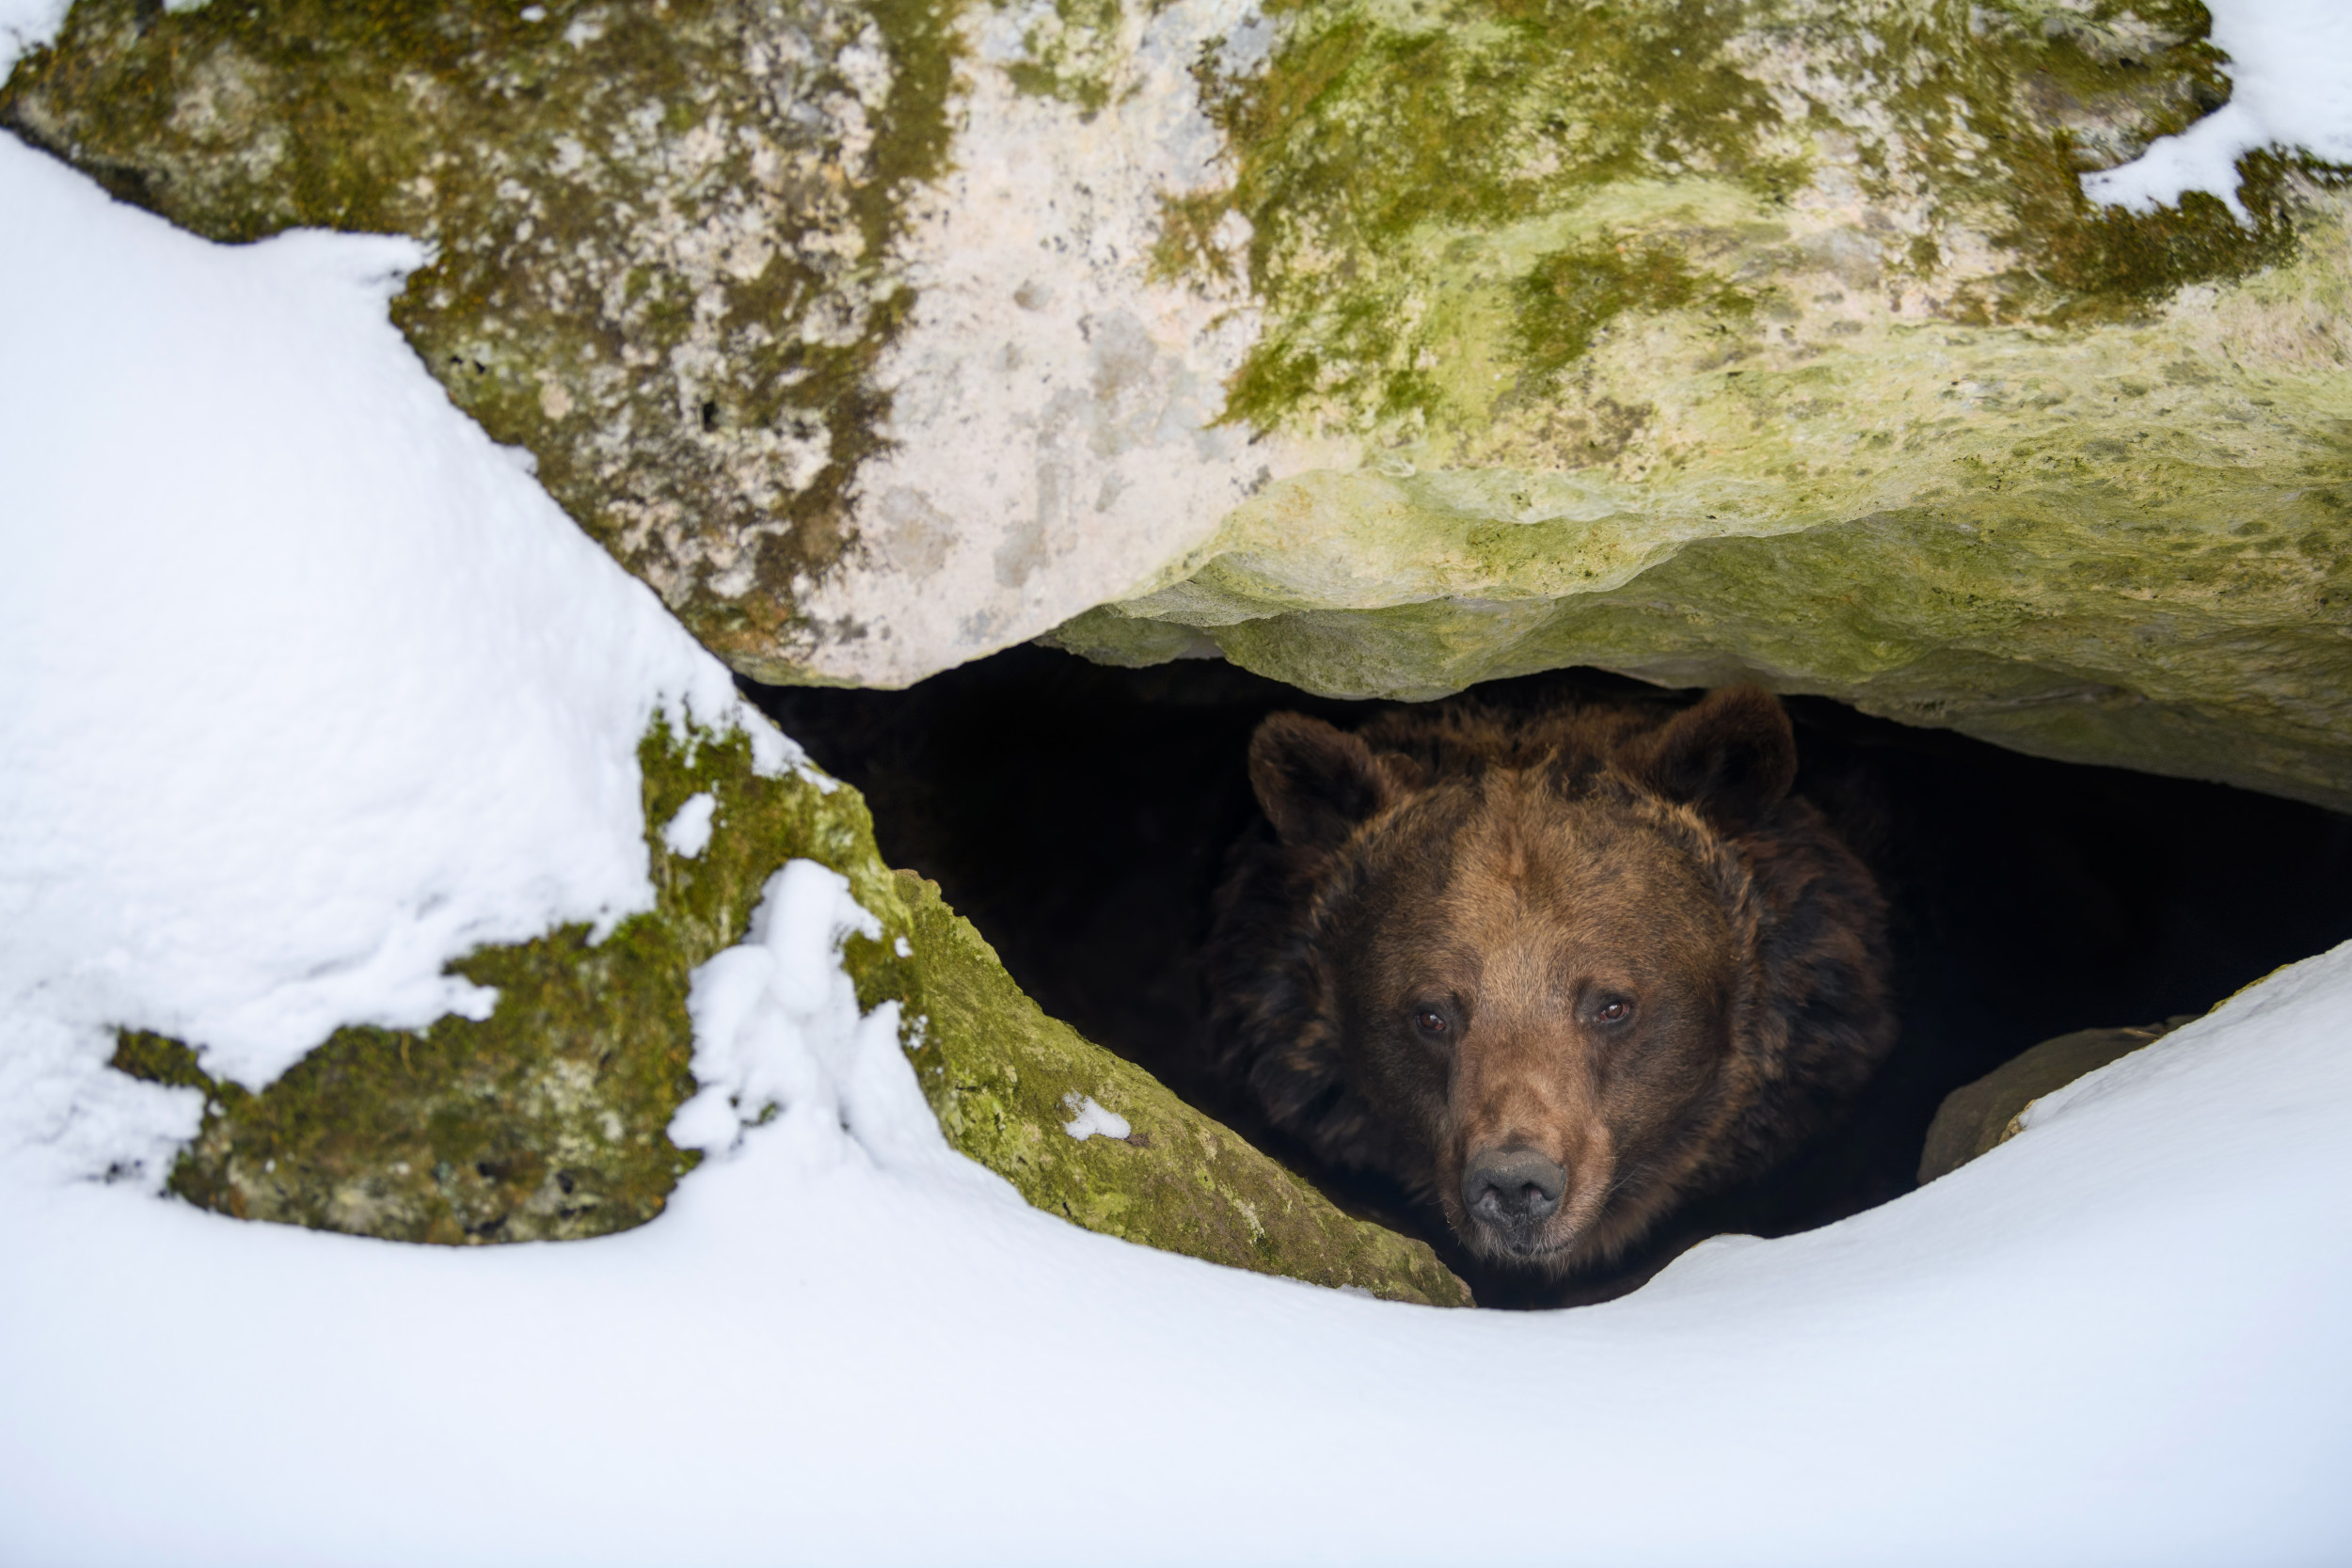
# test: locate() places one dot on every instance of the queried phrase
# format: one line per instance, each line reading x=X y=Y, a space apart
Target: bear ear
x=1733 y=756
x=1315 y=781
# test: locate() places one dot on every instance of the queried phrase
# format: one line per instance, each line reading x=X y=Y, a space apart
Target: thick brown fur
x=1605 y=935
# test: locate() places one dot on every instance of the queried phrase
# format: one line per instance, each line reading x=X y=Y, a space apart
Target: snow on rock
x=2290 y=69
x=27 y=24
x=777 y=1030
x=1090 y=1120
x=689 y=833
x=311 y=690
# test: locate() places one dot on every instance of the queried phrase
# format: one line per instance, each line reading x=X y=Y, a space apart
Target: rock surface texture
x=1382 y=346
x=548 y=1120
x=1977 y=1117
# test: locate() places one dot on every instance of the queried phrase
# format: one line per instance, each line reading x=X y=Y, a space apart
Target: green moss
x=1108 y=635
x=2031 y=71
x=548 y=1120
x=1451 y=200
x=1935 y=434
x=2055 y=614
x=1073 y=55
x=1188 y=245
x=1009 y=1077
x=644 y=273
x=1570 y=295
x=1375 y=129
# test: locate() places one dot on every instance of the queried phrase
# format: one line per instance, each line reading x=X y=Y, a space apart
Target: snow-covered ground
x=306 y=687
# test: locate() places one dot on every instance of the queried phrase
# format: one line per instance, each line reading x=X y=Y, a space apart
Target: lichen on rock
x=1382 y=345
x=547 y=1120
x=660 y=232
x=819 y=316
x=1780 y=341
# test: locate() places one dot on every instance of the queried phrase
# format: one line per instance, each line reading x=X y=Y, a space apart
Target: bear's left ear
x=1733 y=756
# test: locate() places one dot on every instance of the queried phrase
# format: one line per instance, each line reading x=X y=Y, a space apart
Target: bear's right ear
x=1315 y=781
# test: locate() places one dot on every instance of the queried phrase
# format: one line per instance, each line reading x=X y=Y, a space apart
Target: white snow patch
x=1092 y=1120
x=903 y=948
x=27 y=25
x=2115 y=1338
x=777 y=1030
x=689 y=833
x=2290 y=69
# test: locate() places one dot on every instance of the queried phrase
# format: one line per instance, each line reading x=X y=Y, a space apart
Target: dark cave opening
x=1079 y=816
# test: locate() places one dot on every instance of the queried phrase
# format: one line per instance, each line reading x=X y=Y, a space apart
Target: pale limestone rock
x=1382 y=346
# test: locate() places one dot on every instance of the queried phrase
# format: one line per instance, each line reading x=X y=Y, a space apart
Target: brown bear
x=1559 y=974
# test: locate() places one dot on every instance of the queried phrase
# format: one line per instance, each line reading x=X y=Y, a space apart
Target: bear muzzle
x=1510 y=1193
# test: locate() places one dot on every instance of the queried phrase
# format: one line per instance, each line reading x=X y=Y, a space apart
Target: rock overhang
x=1384 y=348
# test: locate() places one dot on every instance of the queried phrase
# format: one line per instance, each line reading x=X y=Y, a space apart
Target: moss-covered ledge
x=547 y=1119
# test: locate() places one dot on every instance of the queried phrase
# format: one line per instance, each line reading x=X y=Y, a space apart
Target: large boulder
x=550 y=1118
x=1383 y=348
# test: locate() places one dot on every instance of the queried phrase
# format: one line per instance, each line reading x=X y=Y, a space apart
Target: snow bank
x=2290 y=68
x=2117 y=1339
x=308 y=688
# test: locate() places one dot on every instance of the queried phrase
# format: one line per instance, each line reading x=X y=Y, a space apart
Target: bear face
x=1557 y=974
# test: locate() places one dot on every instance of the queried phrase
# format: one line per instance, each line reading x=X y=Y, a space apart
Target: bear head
x=1558 y=977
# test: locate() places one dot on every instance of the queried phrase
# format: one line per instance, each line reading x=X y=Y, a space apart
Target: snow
x=2113 y=1339
x=24 y=23
x=2290 y=69
x=689 y=831
x=777 y=1031
x=1090 y=1120
x=308 y=688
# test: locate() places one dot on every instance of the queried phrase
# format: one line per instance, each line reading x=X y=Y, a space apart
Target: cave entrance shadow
x=1079 y=816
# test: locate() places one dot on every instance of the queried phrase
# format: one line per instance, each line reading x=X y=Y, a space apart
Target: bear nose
x=1512 y=1188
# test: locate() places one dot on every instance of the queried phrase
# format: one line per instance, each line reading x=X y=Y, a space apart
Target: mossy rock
x=547 y=1120
x=1779 y=341
x=1384 y=346
x=1978 y=1116
x=659 y=231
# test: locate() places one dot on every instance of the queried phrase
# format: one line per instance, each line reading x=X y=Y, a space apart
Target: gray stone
x=1980 y=1116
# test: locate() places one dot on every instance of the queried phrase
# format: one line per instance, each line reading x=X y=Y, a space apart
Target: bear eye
x=1615 y=1010
x=1430 y=1021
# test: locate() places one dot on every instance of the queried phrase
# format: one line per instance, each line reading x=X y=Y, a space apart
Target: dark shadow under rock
x=1080 y=816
